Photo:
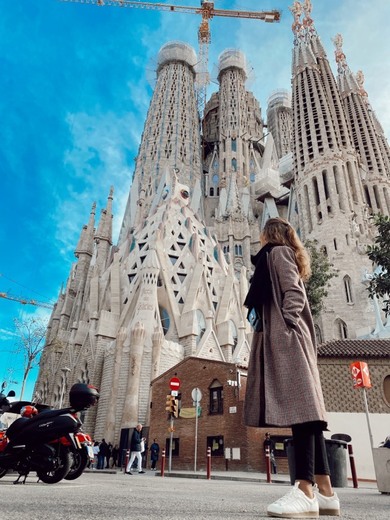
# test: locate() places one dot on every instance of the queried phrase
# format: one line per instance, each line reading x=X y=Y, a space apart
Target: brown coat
x=283 y=386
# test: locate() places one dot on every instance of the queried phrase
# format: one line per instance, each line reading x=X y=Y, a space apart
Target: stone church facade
x=175 y=283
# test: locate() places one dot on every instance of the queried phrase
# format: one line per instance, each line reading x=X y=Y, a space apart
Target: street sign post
x=196 y=395
x=174 y=385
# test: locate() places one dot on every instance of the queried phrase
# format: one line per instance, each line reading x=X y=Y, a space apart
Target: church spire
x=367 y=134
x=85 y=244
x=104 y=230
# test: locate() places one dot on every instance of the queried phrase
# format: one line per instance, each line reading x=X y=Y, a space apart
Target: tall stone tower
x=328 y=180
x=279 y=121
x=171 y=137
x=234 y=149
x=367 y=135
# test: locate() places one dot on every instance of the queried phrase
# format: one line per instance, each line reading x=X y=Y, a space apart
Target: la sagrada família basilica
x=174 y=284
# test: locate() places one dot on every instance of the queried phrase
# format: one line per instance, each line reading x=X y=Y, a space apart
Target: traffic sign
x=196 y=395
x=174 y=383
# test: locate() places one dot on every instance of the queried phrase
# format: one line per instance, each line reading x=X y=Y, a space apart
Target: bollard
x=127 y=458
x=208 y=463
x=162 y=462
x=353 y=467
x=268 y=463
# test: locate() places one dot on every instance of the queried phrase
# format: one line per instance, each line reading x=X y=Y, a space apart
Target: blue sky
x=75 y=85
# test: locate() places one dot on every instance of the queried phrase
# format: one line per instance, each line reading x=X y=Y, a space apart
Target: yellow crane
x=25 y=301
x=207 y=11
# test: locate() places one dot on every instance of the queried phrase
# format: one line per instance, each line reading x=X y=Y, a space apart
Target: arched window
x=348 y=289
x=201 y=325
x=234 y=165
x=341 y=329
x=234 y=145
x=216 y=398
x=238 y=249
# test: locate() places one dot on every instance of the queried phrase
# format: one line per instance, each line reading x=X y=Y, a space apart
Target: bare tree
x=30 y=343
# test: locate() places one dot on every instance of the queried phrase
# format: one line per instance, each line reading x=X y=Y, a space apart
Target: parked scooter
x=49 y=442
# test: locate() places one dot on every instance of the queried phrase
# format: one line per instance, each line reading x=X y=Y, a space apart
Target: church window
x=216 y=398
x=335 y=244
x=164 y=319
x=215 y=179
x=234 y=335
x=341 y=329
x=252 y=177
x=367 y=196
x=352 y=182
x=211 y=192
x=238 y=249
x=318 y=334
x=348 y=289
x=234 y=165
x=234 y=145
x=201 y=325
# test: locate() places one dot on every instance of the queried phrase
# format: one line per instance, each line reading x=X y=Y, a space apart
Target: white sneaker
x=329 y=506
x=294 y=505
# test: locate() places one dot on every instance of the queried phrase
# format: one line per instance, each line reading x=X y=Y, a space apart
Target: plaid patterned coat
x=283 y=386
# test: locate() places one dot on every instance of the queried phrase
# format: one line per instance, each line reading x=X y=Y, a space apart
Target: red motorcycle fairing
x=41 y=428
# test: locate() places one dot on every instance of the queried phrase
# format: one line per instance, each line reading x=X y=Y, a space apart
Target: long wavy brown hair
x=279 y=232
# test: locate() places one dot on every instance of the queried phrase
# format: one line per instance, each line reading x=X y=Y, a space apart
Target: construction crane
x=24 y=301
x=207 y=11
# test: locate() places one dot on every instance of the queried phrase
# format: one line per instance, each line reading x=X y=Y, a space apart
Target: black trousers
x=310 y=450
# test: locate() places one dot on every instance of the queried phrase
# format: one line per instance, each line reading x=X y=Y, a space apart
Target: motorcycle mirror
x=11 y=393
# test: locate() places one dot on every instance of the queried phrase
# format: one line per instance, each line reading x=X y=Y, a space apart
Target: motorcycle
x=50 y=442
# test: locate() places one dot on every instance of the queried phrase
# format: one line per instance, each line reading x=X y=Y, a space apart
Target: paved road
x=104 y=496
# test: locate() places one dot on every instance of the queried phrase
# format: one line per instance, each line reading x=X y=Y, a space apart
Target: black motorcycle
x=44 y=442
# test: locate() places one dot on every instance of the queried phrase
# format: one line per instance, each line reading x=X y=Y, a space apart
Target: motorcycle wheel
x=53 y=476
x=79 y=463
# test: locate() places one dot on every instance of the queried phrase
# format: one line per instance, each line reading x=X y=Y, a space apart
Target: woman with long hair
x=283 y=387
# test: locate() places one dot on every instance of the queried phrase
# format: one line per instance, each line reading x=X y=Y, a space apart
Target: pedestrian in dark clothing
x=154 y=452
x=103 y=449
x=115 y=454
x=269 y=445
x=283 y=385
x=108 y=454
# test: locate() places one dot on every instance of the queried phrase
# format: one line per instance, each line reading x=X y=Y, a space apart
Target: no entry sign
x=174 y=383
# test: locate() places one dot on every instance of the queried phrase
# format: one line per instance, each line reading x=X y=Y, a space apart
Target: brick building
x=220 y=424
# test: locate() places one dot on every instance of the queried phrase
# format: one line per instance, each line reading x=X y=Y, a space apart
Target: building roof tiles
x=350 y=348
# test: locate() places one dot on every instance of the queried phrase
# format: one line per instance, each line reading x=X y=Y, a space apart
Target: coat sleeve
x=293 y=292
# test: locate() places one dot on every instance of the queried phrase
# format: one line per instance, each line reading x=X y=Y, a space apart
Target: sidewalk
x=246 y=476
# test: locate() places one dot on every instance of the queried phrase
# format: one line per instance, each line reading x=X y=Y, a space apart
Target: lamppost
x=65 y=371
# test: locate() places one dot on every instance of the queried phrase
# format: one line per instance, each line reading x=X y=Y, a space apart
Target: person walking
x=154 y=453
x=283 y=384
x=95 y=449
x=269 y=445
x=135 y=450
